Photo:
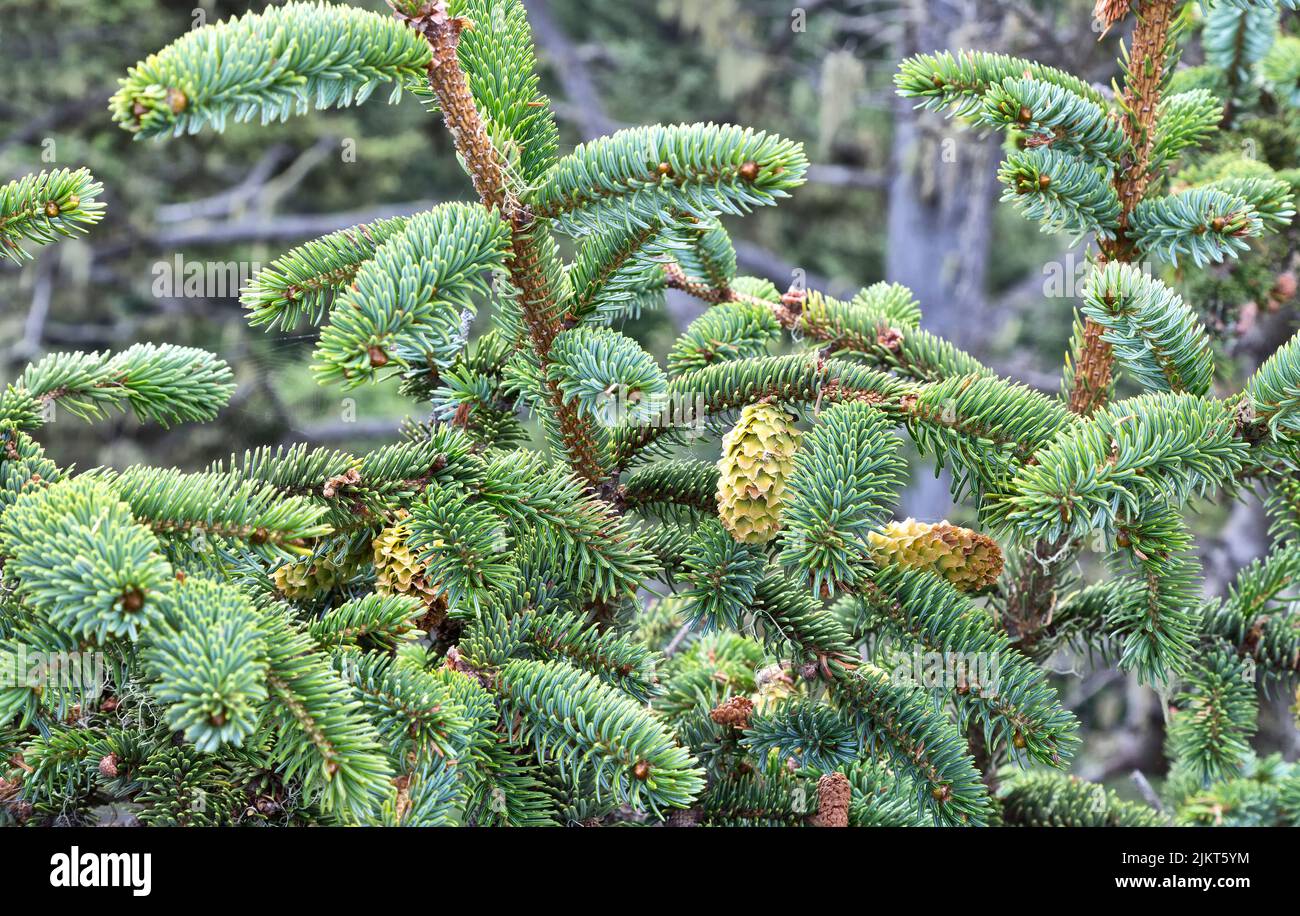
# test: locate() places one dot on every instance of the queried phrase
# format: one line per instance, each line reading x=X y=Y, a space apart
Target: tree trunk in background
x=941 y=197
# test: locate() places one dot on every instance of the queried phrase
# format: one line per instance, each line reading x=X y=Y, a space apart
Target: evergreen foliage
x=453 y=629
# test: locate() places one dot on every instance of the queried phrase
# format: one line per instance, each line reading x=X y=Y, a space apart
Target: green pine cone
x=306 y=578
x=969 y=560
x=757 y=457
x=397 y=569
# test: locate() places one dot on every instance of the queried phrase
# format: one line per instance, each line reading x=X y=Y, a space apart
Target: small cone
x=757 y=457
x=397 y=570
x=969 y=560
x=306 y=578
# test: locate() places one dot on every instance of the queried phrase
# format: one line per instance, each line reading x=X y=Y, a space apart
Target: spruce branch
x=82 y=559
x=42 y=208
x=732 y=330
x=1017 y=709
x=643 y=174
x=300 y=286
x=1158 y=633
x=1133 y=455
x=267 y=65
x=1151 y=331
x=1057 y=800
x=1056 y=118
x=200 y=510
x=960 y=81
x=841 y=486
x=1140 y=100
x=406 y=305
x=1209 y=736
x=209 y=658
x=896 y=717
x=533 y=266
x=1206 y=223
x=161 y=384
x=322 y=739
x=1063 y=192
x=629 y=756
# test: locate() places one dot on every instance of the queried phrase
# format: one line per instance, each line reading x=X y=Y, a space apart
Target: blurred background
x=893 y=194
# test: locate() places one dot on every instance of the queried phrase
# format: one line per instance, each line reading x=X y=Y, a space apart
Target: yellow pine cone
x=397 y=570
x=306 y=578
x=757 y=457
x=969 y=560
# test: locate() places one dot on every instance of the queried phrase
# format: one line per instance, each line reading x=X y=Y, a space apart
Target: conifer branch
x=267 y=65
x=454 y=630
x=530 y=266
x=41 y=208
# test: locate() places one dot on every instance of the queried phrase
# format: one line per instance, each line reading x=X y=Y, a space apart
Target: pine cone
x=969 y=560
x=757 y=456
x=734 y=712
x=306 y=578
x=834 y=795
x=108 y=766
x=397 y=570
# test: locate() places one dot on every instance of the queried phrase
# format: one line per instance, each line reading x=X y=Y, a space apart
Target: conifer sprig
x=1154 y=334
x=160 y=384
x=42 y=208
x=302 y=284
x=267 y=65
x=642 y=174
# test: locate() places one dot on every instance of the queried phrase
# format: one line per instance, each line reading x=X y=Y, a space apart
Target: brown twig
x=537 y=299
x=1031 y=595
x=1140 y=99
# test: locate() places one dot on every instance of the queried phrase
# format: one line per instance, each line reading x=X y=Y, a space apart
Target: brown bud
x=749 y=171
x=1044 y=182
x=1284 y=289
x=734 y=712
x=52 y=209
x=642 y=770
x=133 y=601
x=177 y=101
x=941 y=793
x=665 y=168
x=1218 y=224
x=793 y=298
x=1025 y=115
x=890 y=338
x=377 y=357
x=1018 y=740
